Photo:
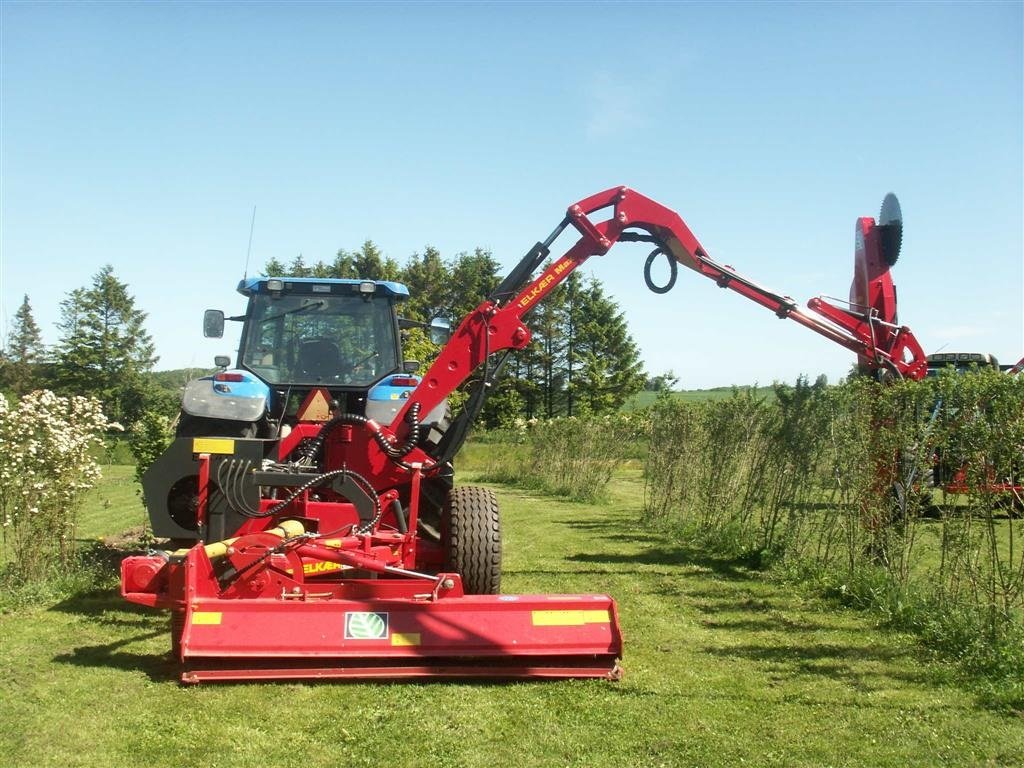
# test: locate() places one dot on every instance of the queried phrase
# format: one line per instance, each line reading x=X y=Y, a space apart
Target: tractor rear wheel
x=471 y=530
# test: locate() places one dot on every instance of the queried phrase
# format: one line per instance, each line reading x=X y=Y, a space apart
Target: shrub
x=148 y=439
x=836 y=482
x=46 y=466
x=572 y=457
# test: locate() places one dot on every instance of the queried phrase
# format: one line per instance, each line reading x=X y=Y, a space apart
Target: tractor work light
x=275 y=285
x=367 y=288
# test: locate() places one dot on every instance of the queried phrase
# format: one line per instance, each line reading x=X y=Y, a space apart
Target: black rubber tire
x=471 y=530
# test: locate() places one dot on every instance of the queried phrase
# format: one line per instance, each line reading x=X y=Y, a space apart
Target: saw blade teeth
x=891 y=218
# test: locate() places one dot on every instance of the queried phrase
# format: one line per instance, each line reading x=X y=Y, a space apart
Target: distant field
x=646 y=399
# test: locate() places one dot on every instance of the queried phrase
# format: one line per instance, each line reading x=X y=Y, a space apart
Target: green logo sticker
x=366 y=626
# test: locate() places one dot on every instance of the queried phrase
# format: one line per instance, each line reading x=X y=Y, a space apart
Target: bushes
x=148 y=439
x=835 y=482
x=46 y=467
x=572 y=457
x=736 y=469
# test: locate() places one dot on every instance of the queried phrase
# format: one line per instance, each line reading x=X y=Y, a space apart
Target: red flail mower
x=316 y=529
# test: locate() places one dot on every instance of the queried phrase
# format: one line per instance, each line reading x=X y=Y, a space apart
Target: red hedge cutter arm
x=867 y=327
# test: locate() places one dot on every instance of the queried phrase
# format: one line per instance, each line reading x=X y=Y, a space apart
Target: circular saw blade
x=890 y=224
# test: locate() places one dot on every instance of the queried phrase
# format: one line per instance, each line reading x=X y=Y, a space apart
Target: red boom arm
x=867 y=328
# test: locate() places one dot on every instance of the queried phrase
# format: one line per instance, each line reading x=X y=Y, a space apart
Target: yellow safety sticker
x=213 y=445
x=405 y=638
x=206 y=617
x=569 y=618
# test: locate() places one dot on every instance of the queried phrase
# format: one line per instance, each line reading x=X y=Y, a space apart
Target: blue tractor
x=307 y=343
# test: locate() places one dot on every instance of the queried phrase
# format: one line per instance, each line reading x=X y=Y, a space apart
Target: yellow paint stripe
x=405 y=638
x=569 y=618
x=213 y=445
x=206 y=617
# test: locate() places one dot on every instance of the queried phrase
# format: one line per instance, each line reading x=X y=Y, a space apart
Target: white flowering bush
x=46 y=467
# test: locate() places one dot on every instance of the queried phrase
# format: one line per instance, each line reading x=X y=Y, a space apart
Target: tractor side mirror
x=440 y=329
x=213 y=324
x=410 y=366
x=222 y=361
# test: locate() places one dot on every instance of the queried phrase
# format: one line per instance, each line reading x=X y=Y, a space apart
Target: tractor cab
x=304 y=331
x=340 y=337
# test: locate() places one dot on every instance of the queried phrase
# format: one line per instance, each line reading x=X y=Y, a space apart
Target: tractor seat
x=318 y=358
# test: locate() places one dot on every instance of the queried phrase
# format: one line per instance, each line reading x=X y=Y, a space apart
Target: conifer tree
x=104 y=349
x=24 y=354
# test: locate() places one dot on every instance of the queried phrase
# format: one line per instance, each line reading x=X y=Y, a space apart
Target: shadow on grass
x=861 y=667
x=621 y=528
x=103 y=604
x=724 y=568
x=159 y=668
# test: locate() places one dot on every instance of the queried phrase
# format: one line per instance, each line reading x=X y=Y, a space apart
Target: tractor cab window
x=328 y=340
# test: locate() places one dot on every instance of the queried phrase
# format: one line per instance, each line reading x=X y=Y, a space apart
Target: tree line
x=103 y=351
x=582 y=359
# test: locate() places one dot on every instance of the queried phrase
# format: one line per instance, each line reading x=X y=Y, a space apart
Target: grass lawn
x=722 y=668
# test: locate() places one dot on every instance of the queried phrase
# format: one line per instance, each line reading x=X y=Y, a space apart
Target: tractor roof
x=252 y=285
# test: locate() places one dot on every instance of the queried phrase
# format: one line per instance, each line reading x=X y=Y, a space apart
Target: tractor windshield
x=330 y=340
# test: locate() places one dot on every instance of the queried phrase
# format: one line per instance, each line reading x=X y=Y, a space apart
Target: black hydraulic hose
x=662 y=248
x=393 y=451
x=672 y=266
x=231 y=478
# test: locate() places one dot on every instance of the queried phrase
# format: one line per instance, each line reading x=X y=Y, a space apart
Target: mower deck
x=378 y=628
x=503 y=636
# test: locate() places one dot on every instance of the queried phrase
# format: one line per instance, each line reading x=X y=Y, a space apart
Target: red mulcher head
x=282 y=604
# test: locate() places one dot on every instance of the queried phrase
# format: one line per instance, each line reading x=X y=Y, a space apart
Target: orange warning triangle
x=316 y=407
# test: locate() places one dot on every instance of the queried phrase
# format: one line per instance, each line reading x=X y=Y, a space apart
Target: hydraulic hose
x=385 y=442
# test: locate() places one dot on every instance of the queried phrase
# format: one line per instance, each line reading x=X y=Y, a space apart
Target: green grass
x=722 y=668
x=114 y=506
x=645 y=399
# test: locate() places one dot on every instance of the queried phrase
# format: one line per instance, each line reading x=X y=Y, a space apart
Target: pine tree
x=473 y=277
x=104 y=349
x=24 y=354
x=275 y=268
x=429 y=281
x=610 y=369
x=298 y=268
x=370 y=264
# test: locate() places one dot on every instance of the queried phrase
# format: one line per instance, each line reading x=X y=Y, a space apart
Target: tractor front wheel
x=471 y=530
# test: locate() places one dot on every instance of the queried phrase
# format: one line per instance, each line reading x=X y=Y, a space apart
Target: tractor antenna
x=248 y=251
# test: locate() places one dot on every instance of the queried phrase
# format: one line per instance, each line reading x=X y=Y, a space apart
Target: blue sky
x=142 y=135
